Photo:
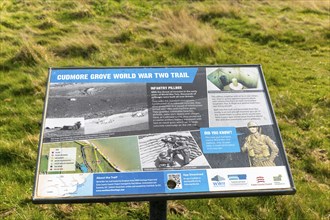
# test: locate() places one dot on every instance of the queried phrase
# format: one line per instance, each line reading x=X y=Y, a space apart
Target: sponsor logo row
x=219 y=181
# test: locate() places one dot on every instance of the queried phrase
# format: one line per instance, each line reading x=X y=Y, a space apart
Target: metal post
x=158 y=210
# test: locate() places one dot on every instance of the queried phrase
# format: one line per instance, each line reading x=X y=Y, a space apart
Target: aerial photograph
x=105 y=107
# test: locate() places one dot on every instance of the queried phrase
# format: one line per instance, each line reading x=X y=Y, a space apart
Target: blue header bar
x=122 y=75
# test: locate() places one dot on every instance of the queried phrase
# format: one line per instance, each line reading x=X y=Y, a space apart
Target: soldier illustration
x=181 y=147
x=164 y=160
x=175 y=146
x=261 y=149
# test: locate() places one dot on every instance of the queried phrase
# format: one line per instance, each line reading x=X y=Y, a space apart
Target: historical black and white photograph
x=105 y=107
x=58 y=127
x=233 y=79
x=260 y=145
x=171 y=151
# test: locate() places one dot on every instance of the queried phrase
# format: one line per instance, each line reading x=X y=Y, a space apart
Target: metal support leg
x=158 y=210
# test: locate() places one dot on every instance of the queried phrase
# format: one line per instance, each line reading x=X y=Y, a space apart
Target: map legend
x=62 y=159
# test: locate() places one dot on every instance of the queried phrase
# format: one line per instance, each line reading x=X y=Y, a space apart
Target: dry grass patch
x=314 y=5
x=48 y=23
x=177 y=208
x=221 y=9
x=77 y=46
x=64 y=209
x=29 y=54
x=286 y=21
x=87 y=29
x=187 y=36
x=184 y=28
x=81 y=10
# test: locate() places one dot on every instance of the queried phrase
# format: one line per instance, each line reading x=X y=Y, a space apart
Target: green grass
x=290 y=39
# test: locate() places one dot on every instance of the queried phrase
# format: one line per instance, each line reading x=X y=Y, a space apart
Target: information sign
x=144 y=133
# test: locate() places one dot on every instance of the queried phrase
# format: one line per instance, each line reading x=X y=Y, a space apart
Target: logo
x=278 y=180
x=218 y=178
x=218 y=181
x=237 y=179
x=260 y=179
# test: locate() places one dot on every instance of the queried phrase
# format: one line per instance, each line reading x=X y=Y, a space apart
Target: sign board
x=144 y=133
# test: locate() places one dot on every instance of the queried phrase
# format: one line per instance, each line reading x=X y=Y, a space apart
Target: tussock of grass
x=193 y=51
x=80 y=14
x=22 y=91
x=262 y=38
x=275 y=81
x=324 y=101
x=177 y=208
x=137 y=210
x=311 y=11
x=223 y=9
x=9 y=23
x=29 y=54
x=123 y=37
x=78 y=46
x=285 y=9
x=149 y=43
x=80 y=11
x=191 y=38
x=184 y=29
x=327 y=33
x=71 y=4
x=3 y=87
x=259 y=37
x=47 y=24
x=315 y=6
x=298 y=111
x=87 y=29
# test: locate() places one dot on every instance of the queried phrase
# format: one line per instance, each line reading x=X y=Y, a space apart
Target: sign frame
x=156 y=196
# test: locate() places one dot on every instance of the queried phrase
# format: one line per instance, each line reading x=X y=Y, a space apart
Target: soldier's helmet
x=252 y=124
x=169 y=139
x=162 y=154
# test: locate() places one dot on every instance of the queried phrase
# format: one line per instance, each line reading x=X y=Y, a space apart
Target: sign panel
x=140 y=133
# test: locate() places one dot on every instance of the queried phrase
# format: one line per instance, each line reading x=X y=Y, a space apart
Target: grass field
x=290 y=39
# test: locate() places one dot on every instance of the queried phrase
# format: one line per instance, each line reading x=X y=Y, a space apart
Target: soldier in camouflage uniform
x=261 y=149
